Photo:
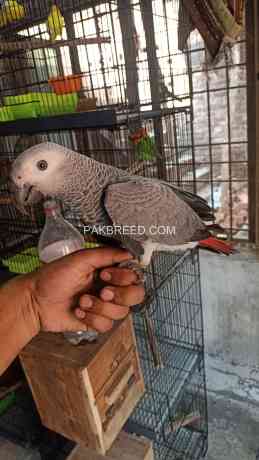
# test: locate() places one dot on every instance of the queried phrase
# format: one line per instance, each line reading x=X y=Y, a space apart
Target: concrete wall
x=230 y=291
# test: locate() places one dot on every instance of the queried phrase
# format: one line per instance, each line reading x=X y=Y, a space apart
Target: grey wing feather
x=150 y=204
x=196 y=202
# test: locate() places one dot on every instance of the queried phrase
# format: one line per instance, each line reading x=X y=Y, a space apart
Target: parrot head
x=33 y=174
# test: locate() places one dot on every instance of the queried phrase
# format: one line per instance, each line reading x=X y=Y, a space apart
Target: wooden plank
x=128 y=399
x=69 y=24
x=126 y=447
x=62 y=401
x=36 y=43
x=123 y=413
x=90 y=354
x=37 y=12
x=130 y=51
x=155 y=83
x=86 y=393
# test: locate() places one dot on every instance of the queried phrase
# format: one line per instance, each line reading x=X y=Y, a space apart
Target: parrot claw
x=135 y=265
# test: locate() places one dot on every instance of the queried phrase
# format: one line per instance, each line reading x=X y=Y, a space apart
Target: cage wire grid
x=134 y=68
x=196 y=118
x=173 y=411
x=118 y=75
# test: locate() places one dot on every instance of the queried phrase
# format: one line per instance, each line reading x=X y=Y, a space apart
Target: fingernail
x=107 y=294
x=87 y=302
x=81 y=314
x=106 y=276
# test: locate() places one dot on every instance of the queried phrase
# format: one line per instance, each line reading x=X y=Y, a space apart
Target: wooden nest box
x=85 y=393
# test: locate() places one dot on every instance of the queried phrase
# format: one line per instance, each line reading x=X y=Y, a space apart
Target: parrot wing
x=154 y=206
x=196 y=202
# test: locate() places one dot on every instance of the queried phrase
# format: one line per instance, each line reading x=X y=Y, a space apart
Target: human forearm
x=18 y=321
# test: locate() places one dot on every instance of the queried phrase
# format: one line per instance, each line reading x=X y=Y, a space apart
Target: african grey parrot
x=149 y=214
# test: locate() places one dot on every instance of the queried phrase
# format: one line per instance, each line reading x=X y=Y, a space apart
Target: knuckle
x=105 y=325
x=99 y=323
x=130 y=295
x=86 y=301
x=120 y=312
x=124 y=312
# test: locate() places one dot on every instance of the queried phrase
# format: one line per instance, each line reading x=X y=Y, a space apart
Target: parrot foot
x=136 y=266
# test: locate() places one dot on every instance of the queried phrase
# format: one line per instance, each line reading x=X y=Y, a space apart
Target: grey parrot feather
x=103 y=194
x=154 y=206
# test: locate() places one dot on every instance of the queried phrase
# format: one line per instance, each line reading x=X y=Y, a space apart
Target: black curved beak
x=24 y=196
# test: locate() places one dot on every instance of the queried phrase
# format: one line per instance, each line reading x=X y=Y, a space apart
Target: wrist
x=20 y=290
x=19 y=322
x=30 y=311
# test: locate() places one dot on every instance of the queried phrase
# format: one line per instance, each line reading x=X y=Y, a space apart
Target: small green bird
x=55 y=22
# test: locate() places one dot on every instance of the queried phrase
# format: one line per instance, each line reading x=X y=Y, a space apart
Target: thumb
x=88 y=260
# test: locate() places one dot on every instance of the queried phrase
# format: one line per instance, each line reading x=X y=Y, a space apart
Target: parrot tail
x=216 y=245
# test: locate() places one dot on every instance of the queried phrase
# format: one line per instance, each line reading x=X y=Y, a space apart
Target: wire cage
x=173 y=411
x=106 y=78
x=68 y=63
x=68 y=56
x=169 y=157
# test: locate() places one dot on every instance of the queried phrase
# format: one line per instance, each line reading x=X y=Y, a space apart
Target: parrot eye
x=42 y=165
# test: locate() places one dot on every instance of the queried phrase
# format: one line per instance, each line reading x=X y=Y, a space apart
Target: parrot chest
x=85 y=195
x=88 y=205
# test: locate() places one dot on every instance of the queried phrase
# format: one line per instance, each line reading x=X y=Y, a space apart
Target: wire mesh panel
x=220 y=133
x=171 y=115
x=71 y=56
x=107 y=44
x=167 y=157
x=173 y=411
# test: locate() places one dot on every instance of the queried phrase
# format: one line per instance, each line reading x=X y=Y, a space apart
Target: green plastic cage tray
x=28 y=260
x=6 y=114
x=32 y=105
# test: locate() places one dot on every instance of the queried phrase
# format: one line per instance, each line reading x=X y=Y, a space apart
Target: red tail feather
x=215 y=245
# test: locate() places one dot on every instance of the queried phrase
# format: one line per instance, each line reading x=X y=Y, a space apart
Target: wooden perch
x=37 y=43
x=187 y=420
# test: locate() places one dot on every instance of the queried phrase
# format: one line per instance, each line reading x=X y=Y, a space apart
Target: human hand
x=113 y=301
x=60 y=298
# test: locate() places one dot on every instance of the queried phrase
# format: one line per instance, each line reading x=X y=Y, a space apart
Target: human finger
x=127 y=295
x=99 y=307
x=119 y=276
